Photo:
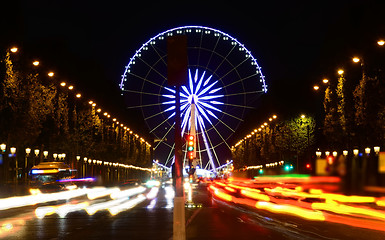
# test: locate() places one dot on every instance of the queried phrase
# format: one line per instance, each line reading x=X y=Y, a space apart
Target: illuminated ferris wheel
x=224 y=82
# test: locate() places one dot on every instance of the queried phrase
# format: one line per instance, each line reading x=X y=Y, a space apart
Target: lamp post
x=36 y=151
x=354 y=170
x=78 y=165
x=27 y=152
x=45 y=153
x=3 y=147
x=13 y=152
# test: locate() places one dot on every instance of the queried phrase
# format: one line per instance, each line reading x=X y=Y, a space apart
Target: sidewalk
x=11 y=189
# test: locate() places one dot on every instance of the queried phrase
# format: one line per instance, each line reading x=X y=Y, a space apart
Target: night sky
x=296 y=43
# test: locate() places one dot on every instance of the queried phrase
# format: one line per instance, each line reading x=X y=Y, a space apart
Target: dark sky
x=296 y=43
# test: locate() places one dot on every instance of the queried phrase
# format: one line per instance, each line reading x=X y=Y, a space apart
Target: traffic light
x=190 y=147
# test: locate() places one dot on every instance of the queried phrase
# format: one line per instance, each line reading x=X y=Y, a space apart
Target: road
x=146 y=213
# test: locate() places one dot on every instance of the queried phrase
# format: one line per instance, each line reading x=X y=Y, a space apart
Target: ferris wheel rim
x=151 y=45
x=132 y=59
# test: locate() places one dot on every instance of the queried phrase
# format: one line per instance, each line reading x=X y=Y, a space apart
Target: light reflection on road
x=310 y=203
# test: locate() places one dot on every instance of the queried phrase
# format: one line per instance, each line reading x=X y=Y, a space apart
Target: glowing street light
x=27 y=151
x=3 y=146
x=340 y=71
x=13 y=150
x=51 y=74
x=381 y=42
x=325 y=80
x=356 y=59
x=376 y=149
x=367 y=150
x=355 y=152
x=35 y=63
x=14 y=49
x=316 y=87
x=78 y=95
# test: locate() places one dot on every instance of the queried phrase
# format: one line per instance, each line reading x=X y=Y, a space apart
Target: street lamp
x=45 y=153
x=340 y=71
x=27 y=152
x=356 y=59
x=325 y=80
x=13 y=151
x=355 y=152
x=54 y=156
x=335 y=154
x=345 y=152
x=318 y=153
x=14 y=49
x=376 y=149
x=381 y=42
x=367 y=150
x=3 y=146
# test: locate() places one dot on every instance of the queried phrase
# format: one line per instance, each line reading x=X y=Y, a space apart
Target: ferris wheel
x=224 y=81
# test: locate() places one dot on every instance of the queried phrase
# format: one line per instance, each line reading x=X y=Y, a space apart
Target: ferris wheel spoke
x=200 y=83
x=212 y=114
x=139 y=92
x=211 y=97
x=240 y=80
x=232 y=105
x=145 y=79
x=206 y=143
x=170 y=156
x=185 y=119
x=207 y=88
x=164 y=137
x=243 y=93
x=159 y=55
x=225 y=113
x=147 y=105
x=154 y=115
x=151 y=68
x=213 y=51
x=234 y=68
x=169 y=89
x=200 y=46
x=225 y=58
x=201 y=111
x=209 y=106
x=164 y=121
